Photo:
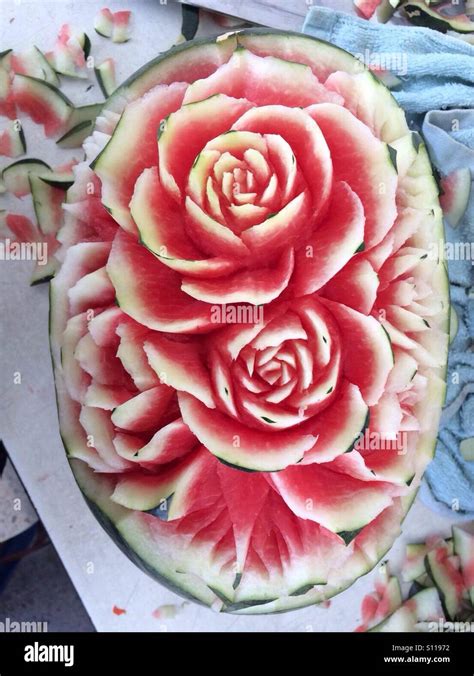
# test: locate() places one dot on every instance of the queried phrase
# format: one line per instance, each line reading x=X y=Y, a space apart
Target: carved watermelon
x=249 y=330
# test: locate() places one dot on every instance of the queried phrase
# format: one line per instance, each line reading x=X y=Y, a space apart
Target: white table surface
x=28 y=419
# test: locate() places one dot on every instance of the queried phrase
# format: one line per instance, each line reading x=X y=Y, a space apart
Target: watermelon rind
x=35 y=63
x=47 y=198
x=58 y=179
x=48 y=96
x=104 y=23
x=118 y=522
x=84 y=113
x=464 y=548
x=17 y=139
x=44 y=273
x=105 y=74
x=386 y=9
x=456 y=192
x=423 y=15
x=85 y=43
x=75 y=137
x=80 y=125
x=15 y=175
x=422 y=607
x=448 y=593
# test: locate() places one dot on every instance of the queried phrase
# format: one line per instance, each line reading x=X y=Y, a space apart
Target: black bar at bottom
x=67 y=653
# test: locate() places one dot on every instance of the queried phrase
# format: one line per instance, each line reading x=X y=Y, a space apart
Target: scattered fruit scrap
x=441 y=15
x=167 y=611
x=442 y=575
x=12 y=140
x=104 y=23
x=35 y=64
x=105 y=74
x=7 y=100
x=386 y=598
x=70 y=53
x=366 y=7
x=115 y=25
x=43 y=102
x=79 y=126
x=26 y=233
x=30 y=84
x=47 y=187
x=118 y=611
x=16 y=175
x=454 y=198
x=121 y=31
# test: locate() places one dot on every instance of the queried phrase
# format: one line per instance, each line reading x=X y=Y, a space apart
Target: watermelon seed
x=226 y=391
x=325 y=340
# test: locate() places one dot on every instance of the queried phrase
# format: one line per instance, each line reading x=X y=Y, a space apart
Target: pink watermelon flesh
x=104 y=22
x=367 y=7
x=381 y=603
x=314 y=265
x=247 y=76
x=121 y=26
x=43 y=103
x=355 y=285
x=154 y=109
x=228 y=456
x=68 y=57
x=11 y=144
x=442 y=568
x=22 y=228
x=7 y=99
